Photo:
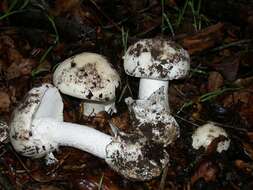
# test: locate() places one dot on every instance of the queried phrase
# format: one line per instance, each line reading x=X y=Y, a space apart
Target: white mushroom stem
x=92 y=108
x=73 y=135
x=149 y=86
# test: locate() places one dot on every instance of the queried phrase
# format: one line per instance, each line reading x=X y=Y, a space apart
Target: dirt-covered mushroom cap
x=26 y=138
x=135 y=158
x=87 y=76
x=204 y=135
x=156 y=59
x=151 y=118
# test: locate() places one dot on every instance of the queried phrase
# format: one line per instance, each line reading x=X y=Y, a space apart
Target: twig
x=237 y=43
x=230 y=127
x=185 y=120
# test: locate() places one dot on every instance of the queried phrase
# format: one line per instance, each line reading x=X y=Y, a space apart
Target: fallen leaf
x=244 y=166
x=4 y=102
x=248 y=149
x=203 y=39
x=207 y=170
x=228 y=66
x=215 y=81
x=243 y=100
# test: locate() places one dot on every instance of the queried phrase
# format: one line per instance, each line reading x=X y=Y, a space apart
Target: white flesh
x=149 y=86
x=92 y=108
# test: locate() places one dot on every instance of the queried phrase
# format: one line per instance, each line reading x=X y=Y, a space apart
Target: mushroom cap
x=135 y=158
x=156 y=59
x=39 y=102
x=87 y=76
x=151 y=119
x=204 y=135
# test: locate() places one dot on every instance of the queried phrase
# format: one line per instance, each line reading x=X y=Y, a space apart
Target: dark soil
x=36 y=35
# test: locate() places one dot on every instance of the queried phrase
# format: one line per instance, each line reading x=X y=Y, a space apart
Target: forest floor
x=36 y=35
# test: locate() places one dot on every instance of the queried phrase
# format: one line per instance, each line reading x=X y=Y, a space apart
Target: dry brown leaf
x=207 y=170
x=228 y=66
x=250 y=136
x=248 y=149
x=244 y=82
x=122 y=121
x=215 y=81
x=4 y=102
x=62 y=6
x=17 y=69
x=243 y=100
x=244 y=166
x=204 y=39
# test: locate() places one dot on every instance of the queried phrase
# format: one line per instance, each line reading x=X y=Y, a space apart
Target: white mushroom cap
x=24 y=135
x=136 y=158
x=204 y=135
x=151 y=118
x=87 y=76
x=156 y=59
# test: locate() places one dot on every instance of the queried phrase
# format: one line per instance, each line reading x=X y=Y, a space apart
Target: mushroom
x=156 y=61
x=205 y=135
x=37 y=129
x=90 y=77
x=151 y=119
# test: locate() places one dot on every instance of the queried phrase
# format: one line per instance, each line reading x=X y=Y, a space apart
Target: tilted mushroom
x=88 y=76
x=204 y=135
x=151 y=119
x=37 y=129
x=156 y=61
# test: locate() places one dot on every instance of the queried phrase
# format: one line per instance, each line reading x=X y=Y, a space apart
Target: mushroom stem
x=149 y=86
x=92 y=108
x=74 y=135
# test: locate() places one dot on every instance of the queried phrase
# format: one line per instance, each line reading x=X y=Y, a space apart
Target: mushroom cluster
x=37 y=127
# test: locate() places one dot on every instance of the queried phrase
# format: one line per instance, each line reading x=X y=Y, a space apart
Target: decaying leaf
x=204 y=39
x=215 y=81
x=4 y=102
x=207 y=170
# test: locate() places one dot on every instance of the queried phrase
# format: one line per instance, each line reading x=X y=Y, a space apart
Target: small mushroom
x=156 y=61
x=37 y=129
x=151 y=119
x=205 y=135
x=90 y=77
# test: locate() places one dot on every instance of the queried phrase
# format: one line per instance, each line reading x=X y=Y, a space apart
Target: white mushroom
x=151 y=119
x=90 y=77
x=156 y=61
x=37 y=129
x=204 y=135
